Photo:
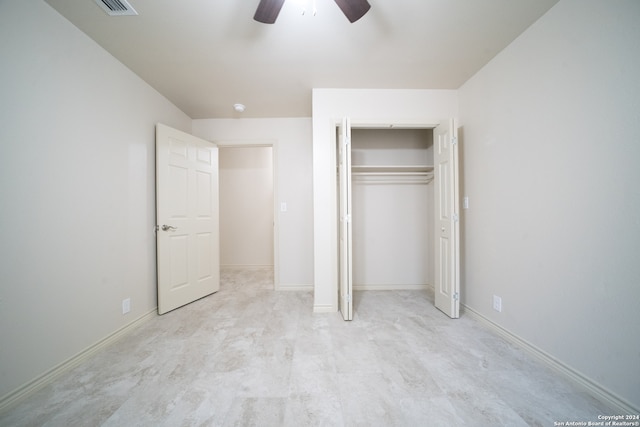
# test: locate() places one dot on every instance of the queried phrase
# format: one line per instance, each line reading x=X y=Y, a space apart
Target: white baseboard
x=39 y=382
x=391 y=287
x=324 y=308
x=293 y=287
x=598 y=391
x=245 y=267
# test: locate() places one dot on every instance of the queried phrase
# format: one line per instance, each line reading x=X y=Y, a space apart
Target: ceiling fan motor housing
x=268 y=10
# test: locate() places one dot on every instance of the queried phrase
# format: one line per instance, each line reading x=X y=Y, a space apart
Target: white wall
x=393 y=245
x=292 y=138
x=550 y=147
x=392 y=238
x=246 y=206
x=329 y=105
x=77 y=189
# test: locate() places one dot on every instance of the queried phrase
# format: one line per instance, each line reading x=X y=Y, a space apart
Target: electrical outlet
x=126 y=305
x=497 y=303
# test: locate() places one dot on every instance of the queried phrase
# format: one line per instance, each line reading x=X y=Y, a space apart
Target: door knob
x=166 y=227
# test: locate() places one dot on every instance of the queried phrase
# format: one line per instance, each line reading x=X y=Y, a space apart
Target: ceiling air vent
x=117 y=7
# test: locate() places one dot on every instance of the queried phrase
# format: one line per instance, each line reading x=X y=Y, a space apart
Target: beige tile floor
x=249 y=356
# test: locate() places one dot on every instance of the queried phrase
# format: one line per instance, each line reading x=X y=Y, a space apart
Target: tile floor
x=249 y=356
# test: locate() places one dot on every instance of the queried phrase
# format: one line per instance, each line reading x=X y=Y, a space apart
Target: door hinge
x=348 y=297
x=455 y=217
x=454 y=140
x=456 y=296
x=347 y=218
x=346 y=142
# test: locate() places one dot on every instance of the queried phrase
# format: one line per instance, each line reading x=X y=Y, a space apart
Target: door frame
x=274 y=171
x=358 y=123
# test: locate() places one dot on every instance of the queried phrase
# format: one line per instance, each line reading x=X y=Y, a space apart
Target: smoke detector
x=117 y=7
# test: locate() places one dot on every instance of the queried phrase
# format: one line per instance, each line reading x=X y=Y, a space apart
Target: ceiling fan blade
x=268 y=10
x=353 y=9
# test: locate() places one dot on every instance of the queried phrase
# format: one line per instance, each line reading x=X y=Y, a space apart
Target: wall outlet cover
x=497 y=303
x=126 y=305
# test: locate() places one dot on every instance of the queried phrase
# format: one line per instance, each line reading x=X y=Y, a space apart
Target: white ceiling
x=206 y=55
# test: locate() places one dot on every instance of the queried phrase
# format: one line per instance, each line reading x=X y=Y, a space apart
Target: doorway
x=392 y=197
x=247 y=219
x=400 y=167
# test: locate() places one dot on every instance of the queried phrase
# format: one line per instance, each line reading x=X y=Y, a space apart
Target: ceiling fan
x=268 y=10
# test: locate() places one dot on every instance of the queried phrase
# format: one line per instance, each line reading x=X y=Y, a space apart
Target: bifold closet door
x=447 y=236
x=345 y=273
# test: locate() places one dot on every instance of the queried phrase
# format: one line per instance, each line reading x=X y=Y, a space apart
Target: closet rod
x=392 y=173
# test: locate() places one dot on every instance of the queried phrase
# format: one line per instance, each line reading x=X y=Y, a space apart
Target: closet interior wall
x=392 y=197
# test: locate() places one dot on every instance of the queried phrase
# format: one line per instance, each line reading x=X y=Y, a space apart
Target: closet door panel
x=447 y=267
x=345 y=282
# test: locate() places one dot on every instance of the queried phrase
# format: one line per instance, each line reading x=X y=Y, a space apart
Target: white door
x=345 y=278
x=187 y=218
x=447 y=267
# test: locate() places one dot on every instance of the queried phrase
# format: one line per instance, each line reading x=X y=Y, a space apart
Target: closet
x=397 y=200
x=392 y=198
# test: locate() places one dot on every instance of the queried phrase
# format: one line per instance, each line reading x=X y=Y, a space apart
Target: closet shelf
x=369 y=174
x=391 y=170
